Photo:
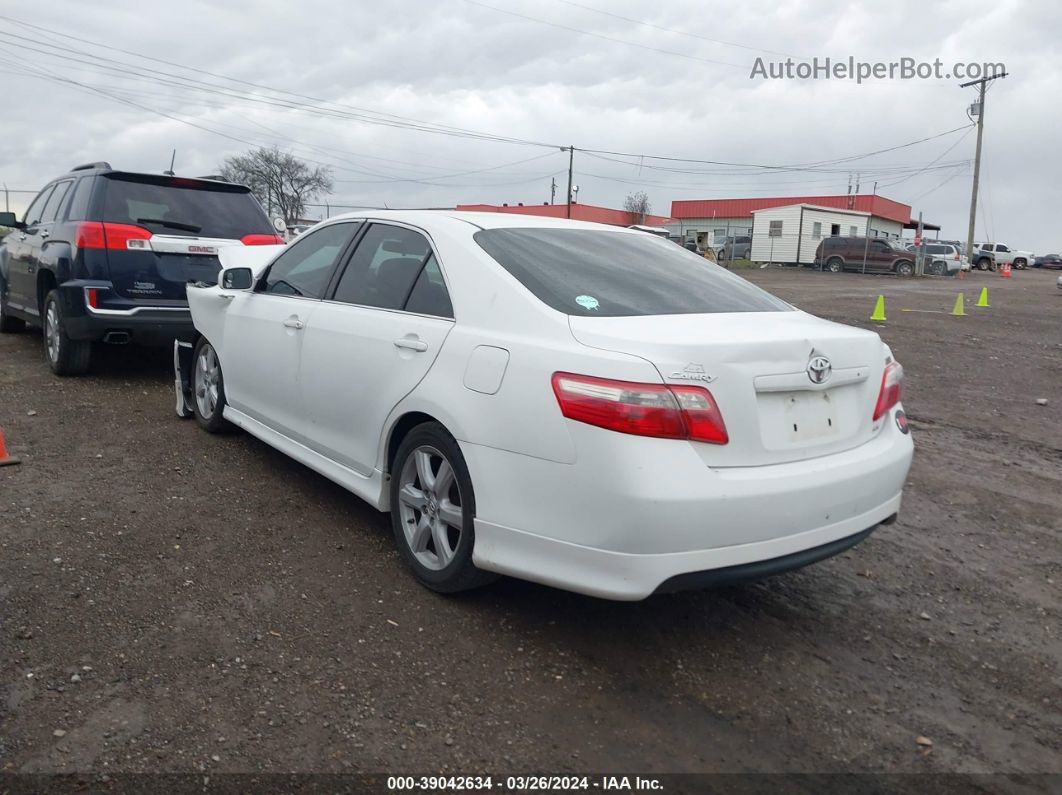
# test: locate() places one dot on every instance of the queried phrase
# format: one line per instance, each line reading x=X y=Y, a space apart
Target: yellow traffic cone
x=983 y=300
x=879 y=310
x=959 y=311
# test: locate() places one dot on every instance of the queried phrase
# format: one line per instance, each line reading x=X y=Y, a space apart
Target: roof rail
x=89 y=166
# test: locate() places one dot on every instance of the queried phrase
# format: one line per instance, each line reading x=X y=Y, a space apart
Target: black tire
x=835 y=264
x=983 y=264
x=8 y=324
x=209 y=414
x=904 y=268
x=1020 y=263
x=938 y=268
x=460 y=574
x=64 y=355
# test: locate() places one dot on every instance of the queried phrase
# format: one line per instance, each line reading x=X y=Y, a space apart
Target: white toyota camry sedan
x=585 y=406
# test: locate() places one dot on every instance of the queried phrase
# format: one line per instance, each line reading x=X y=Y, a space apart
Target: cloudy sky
x=461 y=101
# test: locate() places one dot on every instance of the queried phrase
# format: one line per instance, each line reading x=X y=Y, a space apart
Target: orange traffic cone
x=5 y=459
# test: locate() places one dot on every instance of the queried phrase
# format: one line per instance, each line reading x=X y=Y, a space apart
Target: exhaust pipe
x=117 y=337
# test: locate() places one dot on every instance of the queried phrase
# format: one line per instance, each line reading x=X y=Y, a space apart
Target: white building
x=793 y=232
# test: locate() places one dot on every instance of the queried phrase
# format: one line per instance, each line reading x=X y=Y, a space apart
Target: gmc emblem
x=202 y=250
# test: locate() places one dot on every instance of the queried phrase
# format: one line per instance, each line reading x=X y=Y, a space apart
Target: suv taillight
x=891 y=386
x=93 y=234
x=262 y=240
x=667 y=412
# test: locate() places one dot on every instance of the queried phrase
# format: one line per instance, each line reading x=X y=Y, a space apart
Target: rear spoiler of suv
x=201 y=183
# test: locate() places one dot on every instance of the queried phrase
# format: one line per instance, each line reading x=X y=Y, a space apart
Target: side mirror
x=237 y=279
x=10 y=220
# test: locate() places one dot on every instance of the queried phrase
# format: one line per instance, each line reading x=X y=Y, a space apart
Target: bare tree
x=638 y=203
x=280 y=180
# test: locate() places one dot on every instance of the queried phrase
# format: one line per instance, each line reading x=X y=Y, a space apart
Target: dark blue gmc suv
x=104 y=256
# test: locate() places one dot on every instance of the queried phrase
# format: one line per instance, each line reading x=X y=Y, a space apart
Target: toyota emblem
x=819 y=369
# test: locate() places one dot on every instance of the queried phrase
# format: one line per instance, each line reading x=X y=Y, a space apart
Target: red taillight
x=668 y=412
x=891 y=386
x=92 y=234
x=262 y=240
x=92 y=297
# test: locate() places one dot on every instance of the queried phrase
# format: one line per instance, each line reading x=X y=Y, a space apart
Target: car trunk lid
x=757 y=366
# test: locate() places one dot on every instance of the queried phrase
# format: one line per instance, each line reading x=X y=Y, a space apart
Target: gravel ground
x=182 y=602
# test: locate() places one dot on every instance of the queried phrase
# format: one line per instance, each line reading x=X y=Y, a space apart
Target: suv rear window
x=615 y=274
x=174 y=206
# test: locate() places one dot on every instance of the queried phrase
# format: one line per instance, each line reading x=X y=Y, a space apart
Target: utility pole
x=571 y=162
x=552 y=190
x=977 y=156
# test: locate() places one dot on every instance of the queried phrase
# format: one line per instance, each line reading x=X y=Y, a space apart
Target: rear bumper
x=622 y=525
x=121 y=321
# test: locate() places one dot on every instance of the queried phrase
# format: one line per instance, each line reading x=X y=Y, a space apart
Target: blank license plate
x=810 y=415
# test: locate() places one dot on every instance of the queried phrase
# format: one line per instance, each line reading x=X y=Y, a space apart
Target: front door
x=880 y=255
x=372 y=342
x=22 y=261
x=261 y=351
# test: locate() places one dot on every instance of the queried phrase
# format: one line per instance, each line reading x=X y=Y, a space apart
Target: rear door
x=177 y=225
x=264 y=330
x=372 y=342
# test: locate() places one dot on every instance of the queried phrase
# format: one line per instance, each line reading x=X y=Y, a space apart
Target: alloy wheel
x=430 y=507
x=51 y=331
x=205 y=381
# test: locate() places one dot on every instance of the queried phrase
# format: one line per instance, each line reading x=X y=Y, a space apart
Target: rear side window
x=593 y=273
x=174 y=206
x=384 y=268
x=78 y=206
x=305 y=268
x=55 y=201
x=429 y=295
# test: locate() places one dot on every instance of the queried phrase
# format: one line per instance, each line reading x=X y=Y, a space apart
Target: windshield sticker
x=587 y=301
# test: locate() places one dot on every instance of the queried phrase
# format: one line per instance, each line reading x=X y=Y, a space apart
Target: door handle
x=294 y=322
x=412 y=344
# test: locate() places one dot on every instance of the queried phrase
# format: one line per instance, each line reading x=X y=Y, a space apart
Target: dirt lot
x=176 y=601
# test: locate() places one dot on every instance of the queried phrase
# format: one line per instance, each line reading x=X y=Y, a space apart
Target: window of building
x=775 y=229
x=853 y=231
x=816 y=230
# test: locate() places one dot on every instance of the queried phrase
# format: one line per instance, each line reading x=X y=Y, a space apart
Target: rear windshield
x=183 y=207
x=616 y=274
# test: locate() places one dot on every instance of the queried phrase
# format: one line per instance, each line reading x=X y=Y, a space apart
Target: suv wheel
x=904 y=267
x=433 y=509
x=208 y=389
x=8 y=324
x=835 y=264
x=65 y=356
x=1020 y=263
x=939 y=268
x=983 y=264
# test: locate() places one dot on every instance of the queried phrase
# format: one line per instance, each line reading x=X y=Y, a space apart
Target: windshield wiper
x=170 y=224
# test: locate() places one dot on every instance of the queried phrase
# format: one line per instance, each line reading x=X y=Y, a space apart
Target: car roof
x=431 y=218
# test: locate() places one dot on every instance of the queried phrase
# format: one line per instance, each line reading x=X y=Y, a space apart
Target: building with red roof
x=580 y=212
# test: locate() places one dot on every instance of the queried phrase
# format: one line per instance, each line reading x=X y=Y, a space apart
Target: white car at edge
x=579 y=405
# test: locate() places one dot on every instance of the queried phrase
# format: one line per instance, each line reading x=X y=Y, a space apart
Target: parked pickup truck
x=988 y=256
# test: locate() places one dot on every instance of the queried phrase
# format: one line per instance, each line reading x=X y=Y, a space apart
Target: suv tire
x=8 y=324
x=64 y=355
x=983 y=264
x=835 y=264
x=904 y=267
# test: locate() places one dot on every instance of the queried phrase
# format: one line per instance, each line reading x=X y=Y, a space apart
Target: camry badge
x=819 y=369
x=692 y=372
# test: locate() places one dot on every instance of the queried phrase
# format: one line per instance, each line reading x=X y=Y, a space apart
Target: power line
x=676 y=32
x=606 y=38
